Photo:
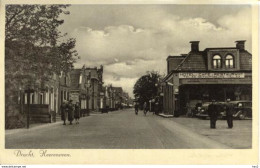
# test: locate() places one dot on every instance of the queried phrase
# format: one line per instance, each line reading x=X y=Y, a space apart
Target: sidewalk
x=31 y=127
x=239 y=137
x=36 y=126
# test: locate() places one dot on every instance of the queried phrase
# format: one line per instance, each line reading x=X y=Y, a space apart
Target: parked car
x=193 y=104
x=203 y=110
x=196 y=109
x=242 y=109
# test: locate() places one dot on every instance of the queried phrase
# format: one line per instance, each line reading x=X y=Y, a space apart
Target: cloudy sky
x=132 y=39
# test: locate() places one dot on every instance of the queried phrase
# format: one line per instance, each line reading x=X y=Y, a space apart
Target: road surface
x=115 y=130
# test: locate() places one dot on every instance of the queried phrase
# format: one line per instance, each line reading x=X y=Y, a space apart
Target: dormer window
x=216 y=61
x=229 y=61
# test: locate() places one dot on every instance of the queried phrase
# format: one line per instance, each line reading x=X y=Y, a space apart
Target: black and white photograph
x=128 y=76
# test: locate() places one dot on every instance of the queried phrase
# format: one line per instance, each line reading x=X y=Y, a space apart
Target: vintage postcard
x=129 y=82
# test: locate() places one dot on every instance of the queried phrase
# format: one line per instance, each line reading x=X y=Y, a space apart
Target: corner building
x=201 y=76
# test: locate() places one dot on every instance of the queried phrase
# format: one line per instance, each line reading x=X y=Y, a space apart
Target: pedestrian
x=213 y=114
x=145 y=108
x=229 y=113
x=188 y=113
x=64 y=112
x=156 y=106
x=70 y=112
x=136 y=108
x=77 y=112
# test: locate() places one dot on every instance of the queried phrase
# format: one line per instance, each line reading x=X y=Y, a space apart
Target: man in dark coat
x=64 y=113
x=229 y=113
x=213 y=110
x=70 y=112
x=145 y=108
x=136 y=108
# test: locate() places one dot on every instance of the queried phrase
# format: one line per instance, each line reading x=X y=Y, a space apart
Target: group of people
x=145 y=108
x=70 y=111
x=214 y=110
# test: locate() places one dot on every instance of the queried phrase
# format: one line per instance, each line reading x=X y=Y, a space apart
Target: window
x=80 y=79
x=31 y=98
x=41 y=98
x=216 y=61
x=229 y=61
x=65 y=97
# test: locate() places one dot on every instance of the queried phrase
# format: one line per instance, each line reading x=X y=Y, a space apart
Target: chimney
x=194 y=46
x=240 y=44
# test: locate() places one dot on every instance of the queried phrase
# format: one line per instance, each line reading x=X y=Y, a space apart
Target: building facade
x=211 y=74
x=86 y=87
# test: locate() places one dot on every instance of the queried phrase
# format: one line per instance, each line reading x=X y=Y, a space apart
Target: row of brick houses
x=211 y=74
x=86 y=85
x=83 y=85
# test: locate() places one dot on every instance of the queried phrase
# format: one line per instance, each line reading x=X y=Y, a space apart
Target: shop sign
x=74 y=97
x=212 y=75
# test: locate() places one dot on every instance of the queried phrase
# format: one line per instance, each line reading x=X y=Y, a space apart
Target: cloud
x=146 y=37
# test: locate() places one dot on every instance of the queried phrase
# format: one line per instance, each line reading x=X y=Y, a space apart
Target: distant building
x=115 y=98
x=200 y=76
x=64 y=87
x=78 y=89
x=86 y=87
x=95 y=89
x=118 y=97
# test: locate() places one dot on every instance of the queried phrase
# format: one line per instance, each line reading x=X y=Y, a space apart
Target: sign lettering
x=74 y=97
x=212 y=75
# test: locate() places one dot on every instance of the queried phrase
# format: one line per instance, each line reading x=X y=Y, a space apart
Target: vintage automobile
x=203 y=110
x=191 y=111
x=196 y=109
x=242 y=109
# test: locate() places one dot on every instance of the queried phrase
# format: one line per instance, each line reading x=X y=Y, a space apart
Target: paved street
x=120 y=130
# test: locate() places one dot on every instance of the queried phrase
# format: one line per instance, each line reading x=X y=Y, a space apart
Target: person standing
x=229 y=113
x=145 y=108
x=77 y=112
x=64 y=113
x=70 y=112
x=136 y=108
x=156 y=109
x=212 y=111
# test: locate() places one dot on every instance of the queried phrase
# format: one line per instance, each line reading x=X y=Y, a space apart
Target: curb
x=165 y=116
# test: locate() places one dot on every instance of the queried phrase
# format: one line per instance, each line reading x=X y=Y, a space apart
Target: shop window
x=216 y=61
x=229 y=61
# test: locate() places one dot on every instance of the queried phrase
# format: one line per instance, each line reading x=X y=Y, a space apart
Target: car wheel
x=242 y=116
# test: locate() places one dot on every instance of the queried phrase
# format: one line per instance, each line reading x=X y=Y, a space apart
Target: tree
x=145 y=88
x=33 y=47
